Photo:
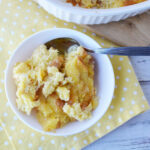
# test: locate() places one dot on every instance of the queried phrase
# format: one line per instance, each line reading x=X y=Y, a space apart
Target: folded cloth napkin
x=18 y=20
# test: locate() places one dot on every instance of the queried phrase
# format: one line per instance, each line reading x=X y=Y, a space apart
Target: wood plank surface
x=146 y=89
x=134 y=135
x=134 y=31
x=141 y=65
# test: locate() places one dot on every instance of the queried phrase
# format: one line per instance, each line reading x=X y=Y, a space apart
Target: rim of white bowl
x=98 y=12
x=6 y=84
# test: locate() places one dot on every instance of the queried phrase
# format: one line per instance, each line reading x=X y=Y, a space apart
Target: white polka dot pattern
x=42 y=138
x=10 y=138
x=63 y=145
x=32 y=134
x=22 y=130
x=40 y=148
x=87 y=131
x=6 y=142
x=26 y=18
x=20 y=141
x=98 y=124
x=30 y=145
x=75 y=138
x=52 y=141
x=1 y=128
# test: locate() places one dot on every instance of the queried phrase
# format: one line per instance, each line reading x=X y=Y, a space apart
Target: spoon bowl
x=62 y=44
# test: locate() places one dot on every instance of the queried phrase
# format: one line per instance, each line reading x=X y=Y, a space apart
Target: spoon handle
x=126 y=51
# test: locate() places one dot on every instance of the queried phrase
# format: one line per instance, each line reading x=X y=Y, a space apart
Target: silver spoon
x=64 y=44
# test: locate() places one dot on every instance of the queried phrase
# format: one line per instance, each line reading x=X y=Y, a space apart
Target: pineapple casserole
x=103 y=3
x=59 y=88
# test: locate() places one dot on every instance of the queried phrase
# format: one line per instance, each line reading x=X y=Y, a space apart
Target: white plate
x=67 y=12
x=104 y=79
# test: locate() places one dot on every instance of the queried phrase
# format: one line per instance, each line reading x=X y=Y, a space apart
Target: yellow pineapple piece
x=48 y=123
x=76 y=112
x=45 y=108
x=64 y=93
x=25 y=103
x=19 y=69
x=52 y=81
x=71 y=70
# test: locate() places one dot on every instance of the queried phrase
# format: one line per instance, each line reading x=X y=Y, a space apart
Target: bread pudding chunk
x=59 y=88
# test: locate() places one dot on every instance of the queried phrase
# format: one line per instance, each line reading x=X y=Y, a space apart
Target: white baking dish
x=67 y=12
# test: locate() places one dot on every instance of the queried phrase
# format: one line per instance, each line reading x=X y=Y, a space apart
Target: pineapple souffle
x=59 y=88
x=104 y=3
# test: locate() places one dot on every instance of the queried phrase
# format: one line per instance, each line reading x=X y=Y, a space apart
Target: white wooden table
x=135 y=134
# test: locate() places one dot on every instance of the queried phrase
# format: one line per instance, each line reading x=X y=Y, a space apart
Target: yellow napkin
x=4 y=142
x=18 y=20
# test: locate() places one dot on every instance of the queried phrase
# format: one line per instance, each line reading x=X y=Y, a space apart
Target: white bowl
x=67 y=12
x=104 y=79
